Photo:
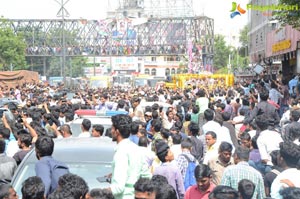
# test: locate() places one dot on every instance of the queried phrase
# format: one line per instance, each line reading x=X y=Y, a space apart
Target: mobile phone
x=103 y=179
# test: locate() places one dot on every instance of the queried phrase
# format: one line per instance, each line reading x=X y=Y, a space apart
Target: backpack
x=189 y=178
x=57 y=169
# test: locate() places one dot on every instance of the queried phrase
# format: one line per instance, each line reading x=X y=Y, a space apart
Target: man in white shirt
x=137 y=112
x=223 y=133
x=202 y=102
x=85 y=128
x=290 y=155
x=264 y=144
x=168 y=120
x=176 y=147
x=210 y=125
x=238 y=121
x=161 y=97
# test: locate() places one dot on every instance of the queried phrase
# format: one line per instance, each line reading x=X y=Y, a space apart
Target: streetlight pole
x=237 y=57
x=229 y=65
x=63 y=13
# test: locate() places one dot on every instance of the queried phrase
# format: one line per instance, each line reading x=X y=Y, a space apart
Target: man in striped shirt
x=233 y=174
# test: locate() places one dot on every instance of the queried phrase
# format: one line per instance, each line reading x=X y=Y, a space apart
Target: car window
x=28 y=171
x=76 y=129
x=88 y=171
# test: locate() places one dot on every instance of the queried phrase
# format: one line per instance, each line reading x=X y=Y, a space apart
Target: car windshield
x=88 y=171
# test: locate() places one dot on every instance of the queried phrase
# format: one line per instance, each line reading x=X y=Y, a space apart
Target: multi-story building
x=173 y=40
x=272 y=45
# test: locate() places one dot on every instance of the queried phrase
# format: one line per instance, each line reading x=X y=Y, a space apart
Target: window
x=147 y=71
x=178 y=71
x=167 y=71
x=153 y=71
x=153 y=58
x=173 y=71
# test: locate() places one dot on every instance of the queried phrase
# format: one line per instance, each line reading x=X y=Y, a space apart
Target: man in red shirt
x=204 y=185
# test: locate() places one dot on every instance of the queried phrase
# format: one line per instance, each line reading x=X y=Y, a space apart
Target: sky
x=219 y=10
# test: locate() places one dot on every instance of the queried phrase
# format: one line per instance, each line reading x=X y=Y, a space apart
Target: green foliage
x=288 y=17
x=12 y=48
x=243 y=38
x=36 y=37
x=73 y=66
x=54 y=69
x=223 y=70
x=77 y=66
x=221 y=52
x=238 y=61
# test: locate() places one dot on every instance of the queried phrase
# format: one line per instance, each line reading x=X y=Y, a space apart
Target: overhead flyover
x=117 y=37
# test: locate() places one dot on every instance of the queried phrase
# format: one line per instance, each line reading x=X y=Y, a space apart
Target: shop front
x=281 y=47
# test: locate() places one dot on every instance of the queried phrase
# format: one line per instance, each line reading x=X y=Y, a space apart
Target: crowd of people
x=221 y=143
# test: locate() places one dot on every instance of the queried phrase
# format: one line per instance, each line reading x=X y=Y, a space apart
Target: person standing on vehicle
x=128 y=163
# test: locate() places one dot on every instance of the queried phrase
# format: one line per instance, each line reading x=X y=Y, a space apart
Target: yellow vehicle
x=209 y=80
x=100 y=81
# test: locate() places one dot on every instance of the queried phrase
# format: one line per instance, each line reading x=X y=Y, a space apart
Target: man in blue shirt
x=133 y=133
x=293 y=83
x=46 y=167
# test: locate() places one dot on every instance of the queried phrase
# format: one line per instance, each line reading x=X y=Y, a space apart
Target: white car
x=76 y=124
x=89 y=158
x=96 y=117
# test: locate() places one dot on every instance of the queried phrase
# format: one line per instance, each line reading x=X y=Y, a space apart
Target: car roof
x=4 y=101
x=91 y=149
x=94 y=120
x=79 y=154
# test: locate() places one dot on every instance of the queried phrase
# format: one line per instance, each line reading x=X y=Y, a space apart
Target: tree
x=37 y=37
x=221 y=52
x=12 y=48
x=243 y=38
x=76 y=70
x=290 y=16
x=238 y=60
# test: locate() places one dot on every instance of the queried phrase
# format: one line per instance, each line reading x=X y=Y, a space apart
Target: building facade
x=271 y=44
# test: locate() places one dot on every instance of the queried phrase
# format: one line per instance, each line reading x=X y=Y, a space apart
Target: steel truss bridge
x=124 y=37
